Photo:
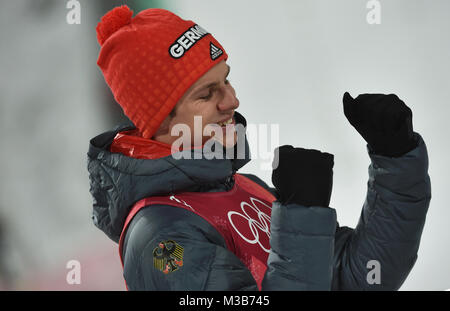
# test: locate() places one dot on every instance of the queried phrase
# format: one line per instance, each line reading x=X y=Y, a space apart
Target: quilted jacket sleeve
x=302 y=246
x=390 y=226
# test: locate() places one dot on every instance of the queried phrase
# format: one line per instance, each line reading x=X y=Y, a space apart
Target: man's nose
x=229 y=101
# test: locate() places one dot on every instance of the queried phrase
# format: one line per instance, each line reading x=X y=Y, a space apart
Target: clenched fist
x=384 y=121
x=303 y=176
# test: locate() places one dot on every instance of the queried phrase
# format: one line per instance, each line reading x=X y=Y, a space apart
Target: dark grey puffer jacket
x=309 y=250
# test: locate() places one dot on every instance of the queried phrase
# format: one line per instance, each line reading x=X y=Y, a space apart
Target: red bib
x=241 y=216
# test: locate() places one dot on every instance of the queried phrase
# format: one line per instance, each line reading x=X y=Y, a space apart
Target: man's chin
x=226 y=143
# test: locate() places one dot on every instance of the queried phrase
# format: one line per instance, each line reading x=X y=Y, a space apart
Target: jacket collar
x=118 y=181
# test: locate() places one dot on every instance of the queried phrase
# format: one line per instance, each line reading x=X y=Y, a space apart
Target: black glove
x=303 y=176
x=384 y=121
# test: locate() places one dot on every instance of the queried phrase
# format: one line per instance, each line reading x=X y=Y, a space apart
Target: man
x=197 y=224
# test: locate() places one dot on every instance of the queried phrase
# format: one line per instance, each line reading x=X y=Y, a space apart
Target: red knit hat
x=149 y=61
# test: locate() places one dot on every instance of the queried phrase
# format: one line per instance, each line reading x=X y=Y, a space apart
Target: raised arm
x=398 y=196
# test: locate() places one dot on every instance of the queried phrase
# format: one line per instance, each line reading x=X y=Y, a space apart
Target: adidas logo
x=214 y=51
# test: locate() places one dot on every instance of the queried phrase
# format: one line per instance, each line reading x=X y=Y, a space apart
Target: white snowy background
x=291 y=62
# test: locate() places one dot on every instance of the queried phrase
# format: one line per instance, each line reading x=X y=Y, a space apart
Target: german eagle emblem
x=168 y=256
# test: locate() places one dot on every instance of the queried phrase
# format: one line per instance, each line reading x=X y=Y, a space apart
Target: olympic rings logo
x=261 y=224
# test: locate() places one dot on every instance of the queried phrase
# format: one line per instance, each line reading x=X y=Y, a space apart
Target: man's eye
x=211 y=92
x=206 y=97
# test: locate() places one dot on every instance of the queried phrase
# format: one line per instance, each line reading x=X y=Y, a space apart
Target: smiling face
x=213 y=98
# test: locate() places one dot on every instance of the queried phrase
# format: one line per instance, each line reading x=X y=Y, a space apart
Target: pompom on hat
x=149 y=61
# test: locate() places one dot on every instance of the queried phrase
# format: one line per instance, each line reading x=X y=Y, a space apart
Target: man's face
x=214 y=99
